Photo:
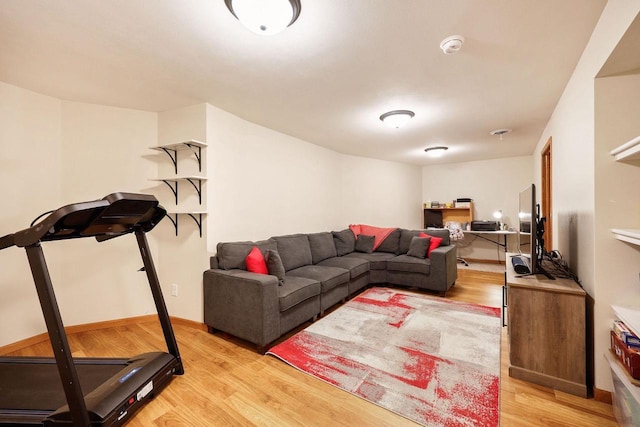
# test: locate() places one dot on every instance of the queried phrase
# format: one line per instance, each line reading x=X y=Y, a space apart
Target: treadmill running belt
x=38 y=386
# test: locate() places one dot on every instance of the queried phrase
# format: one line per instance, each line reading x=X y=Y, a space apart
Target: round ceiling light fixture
x=436 y=151
x=500 y=132
x=265 y=17
x=451 y=44
x=397 y=118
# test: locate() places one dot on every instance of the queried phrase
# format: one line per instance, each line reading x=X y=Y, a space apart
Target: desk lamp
x=498 y=215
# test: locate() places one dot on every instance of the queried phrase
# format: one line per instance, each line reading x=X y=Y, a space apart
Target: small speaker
x=521 y=264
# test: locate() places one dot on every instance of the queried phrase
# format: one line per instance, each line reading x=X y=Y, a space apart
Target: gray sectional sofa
x=309 y=273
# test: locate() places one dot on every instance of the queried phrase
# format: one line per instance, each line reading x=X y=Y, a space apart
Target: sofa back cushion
x=405 y=240
x=231 y=255
x=294 y=250
x=443 y=233
x=391 y=243
x=345 y=241
x=322 y=246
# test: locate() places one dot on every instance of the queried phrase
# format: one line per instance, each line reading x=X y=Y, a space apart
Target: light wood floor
x=227 y=383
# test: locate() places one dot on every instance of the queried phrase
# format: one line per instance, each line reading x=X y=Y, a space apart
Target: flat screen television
x=531 y=223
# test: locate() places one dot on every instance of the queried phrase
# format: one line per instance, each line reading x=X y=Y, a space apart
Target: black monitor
x=530 y=223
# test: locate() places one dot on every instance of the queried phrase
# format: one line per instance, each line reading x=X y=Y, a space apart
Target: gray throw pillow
x=419 y=247
x=345 y=241
x=365 y=243
x=275 y=266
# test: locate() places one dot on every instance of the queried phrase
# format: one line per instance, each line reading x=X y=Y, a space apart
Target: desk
x=498 y=233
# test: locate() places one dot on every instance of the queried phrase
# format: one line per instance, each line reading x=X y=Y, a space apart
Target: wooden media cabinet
x=547 y=331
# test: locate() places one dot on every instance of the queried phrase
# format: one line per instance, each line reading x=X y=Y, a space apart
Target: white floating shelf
x=180 y=145
x=186 y=212
x=627 y=235
x=629 y=316
x=180 y=177
x=628 y=151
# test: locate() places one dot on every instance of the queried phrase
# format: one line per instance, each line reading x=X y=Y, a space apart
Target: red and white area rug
x=434 y=361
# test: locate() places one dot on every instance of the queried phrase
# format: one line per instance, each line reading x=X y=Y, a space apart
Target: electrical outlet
x=174 y=290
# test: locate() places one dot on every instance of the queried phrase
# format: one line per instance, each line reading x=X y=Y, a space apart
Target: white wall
x=380 y=193
x=102 y=152
x=572 y=127
x=53 y=153
x=29 y=169
x=264 y=183
x=492 y=184
x=184 y=257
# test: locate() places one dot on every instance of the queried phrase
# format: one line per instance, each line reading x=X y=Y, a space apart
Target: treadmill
x=85 y=391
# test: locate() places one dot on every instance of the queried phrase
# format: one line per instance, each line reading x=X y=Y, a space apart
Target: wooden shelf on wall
x=453 y=214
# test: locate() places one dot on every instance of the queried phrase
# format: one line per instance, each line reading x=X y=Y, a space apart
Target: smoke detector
x=451 y=44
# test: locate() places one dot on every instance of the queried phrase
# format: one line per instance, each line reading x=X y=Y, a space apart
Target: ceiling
x=327 y=78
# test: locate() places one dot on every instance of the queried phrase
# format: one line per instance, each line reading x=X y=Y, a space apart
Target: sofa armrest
x=444 y=265
x=243 y=304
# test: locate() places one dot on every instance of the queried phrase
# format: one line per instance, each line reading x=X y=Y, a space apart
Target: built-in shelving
x=628 y=151
x=172 y=151
x=627 y=235
x=629 y=316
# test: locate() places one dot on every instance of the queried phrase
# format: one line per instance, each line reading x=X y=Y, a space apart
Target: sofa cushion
x=329 y=277
x=322 y=246
x=419 y=247
x=275 y=266
x=356 y=266
x=345 y=241
x=365 y=243
x=377 y=260
x=233 y=254
x=255 y=261
x=294 y=250
x=390 y=243
x=409 y=264
x=295 y=290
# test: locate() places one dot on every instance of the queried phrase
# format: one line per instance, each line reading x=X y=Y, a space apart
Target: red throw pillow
x=255 y=261
x=435 y=242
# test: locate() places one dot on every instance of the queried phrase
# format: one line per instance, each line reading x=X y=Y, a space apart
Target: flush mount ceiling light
x=265 y=17
x=451 y=44
x=436 y=151
x=500 y=132
x=396 y=118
